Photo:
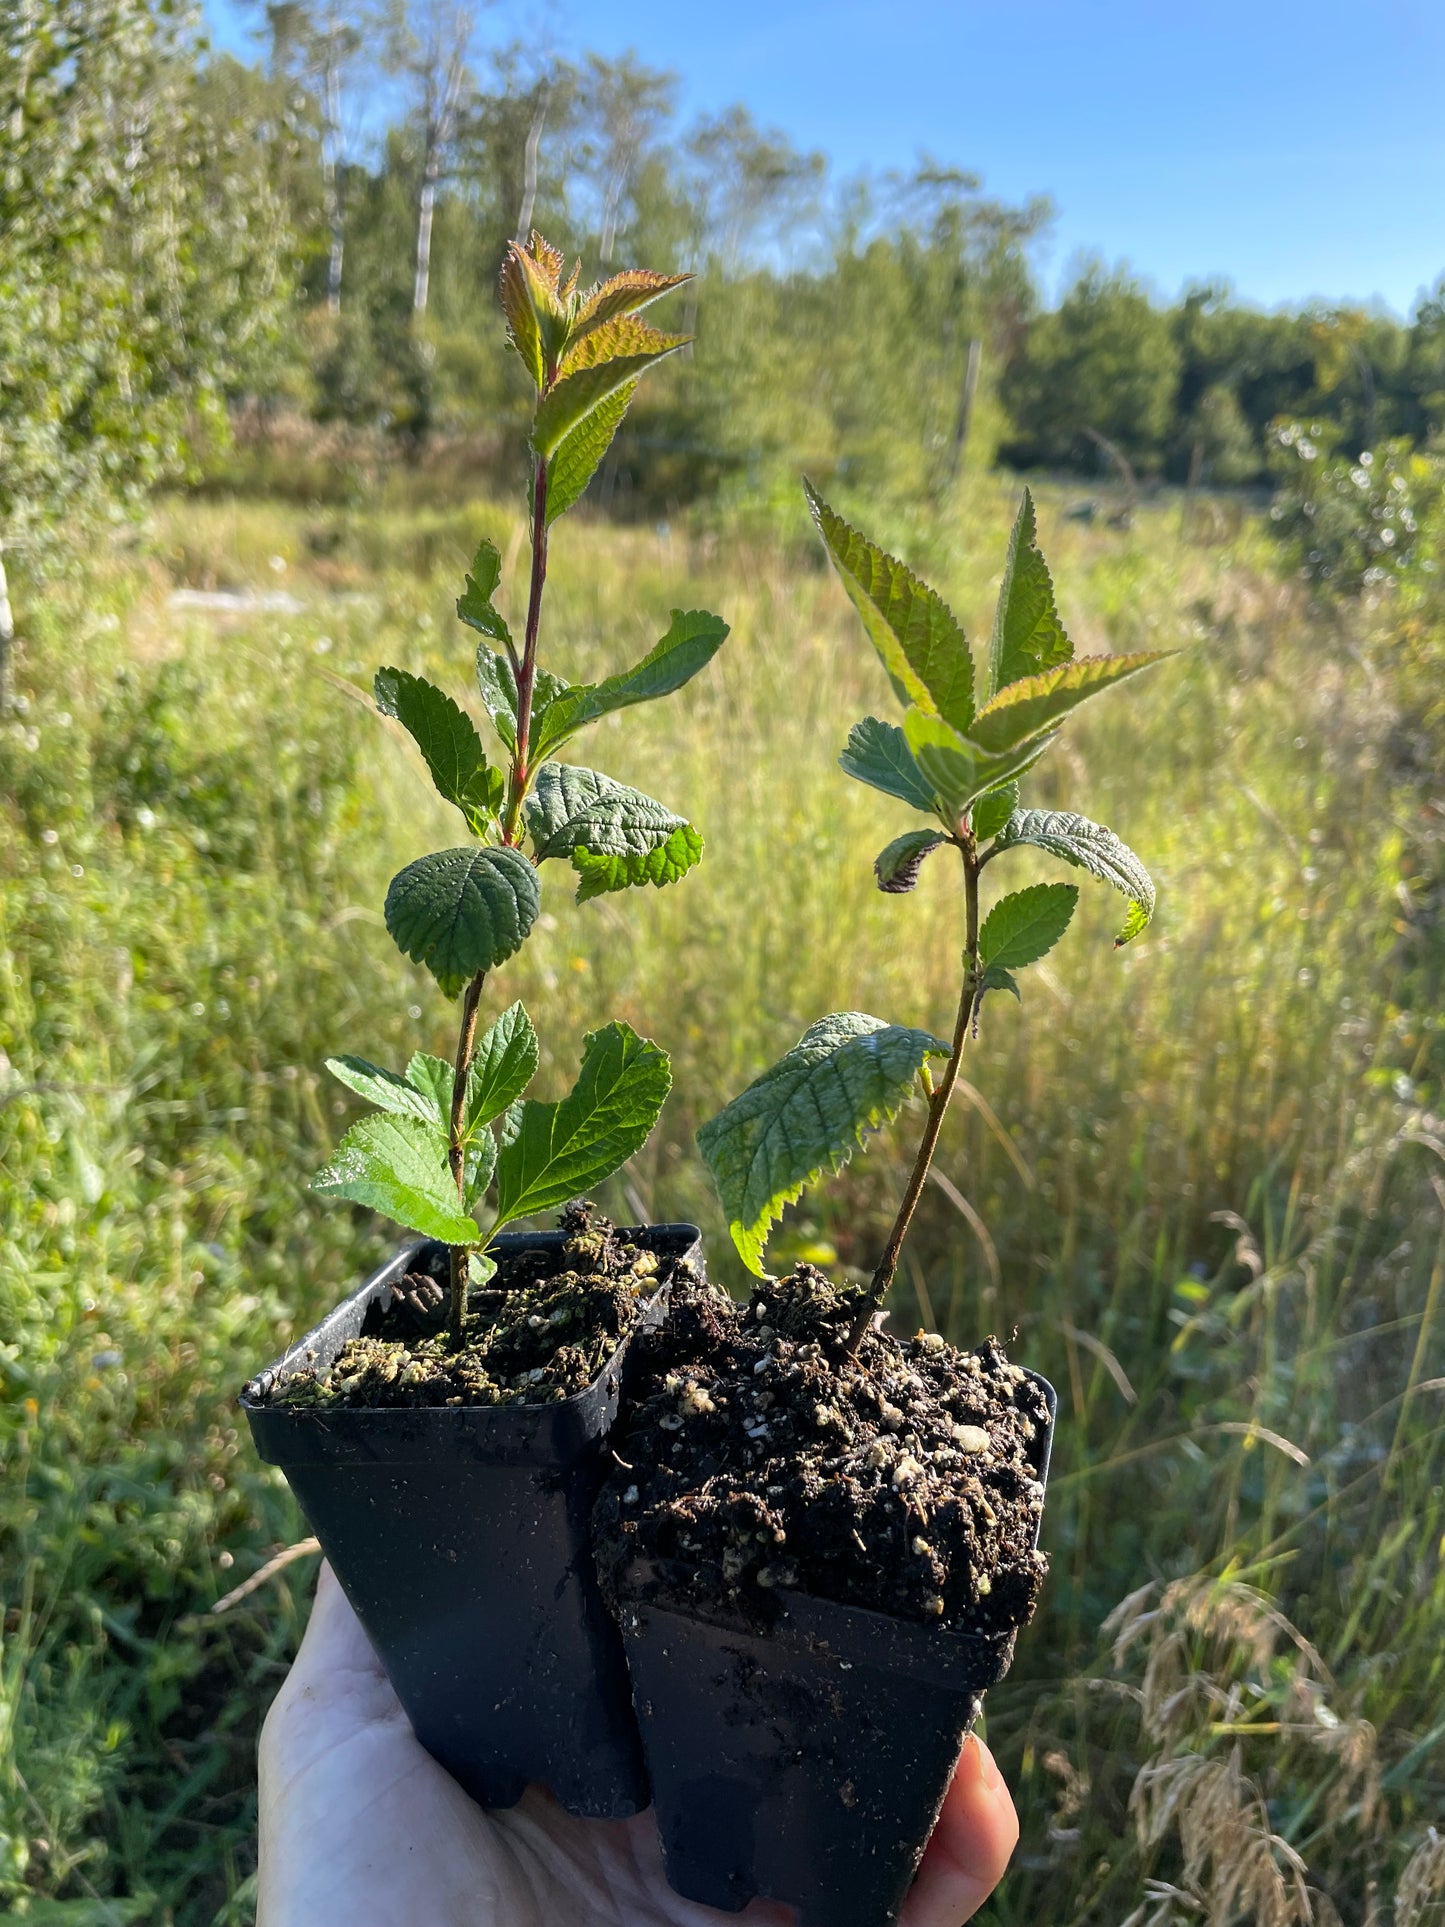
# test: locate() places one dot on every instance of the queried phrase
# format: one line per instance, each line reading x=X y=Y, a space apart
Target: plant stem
x=937 y=1104
x=457 y=1150
x=527 y=673
x=516 y=791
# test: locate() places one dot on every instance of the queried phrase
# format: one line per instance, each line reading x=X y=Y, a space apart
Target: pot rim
x=324 y=1337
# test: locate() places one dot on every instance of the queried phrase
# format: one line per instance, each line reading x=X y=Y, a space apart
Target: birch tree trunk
x=964 y=420
x=425 y=210
x=529 y=168
x=331 y=188
x=7 y=634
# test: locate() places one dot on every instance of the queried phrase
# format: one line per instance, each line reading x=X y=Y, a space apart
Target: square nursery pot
x=460 y=1536
x=807 y=1763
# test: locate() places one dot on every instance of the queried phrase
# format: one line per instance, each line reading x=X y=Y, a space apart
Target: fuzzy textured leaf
x=993 y=810
x=518 y=305
x=1026 y=708
x=498 y=686
x=1025 y=926
x=479 y=1165
x=1088 y=846
x=913 y=629
x=575 y=396
x=601 y=874
x=896 y=866
x=693 y=638
x=1027 y=633
x=614 y=836
x=461 y=911
x=448 y=741
x=877 y=754
x=624 y=334
x=847 y=1074
x=579 y=453
x=385 y=1089
x=537 y=306
x=559 y=1151
x=474 y=604
x=625 y=293
x=956 y=767
x=398 y=1166
x=503 y=1065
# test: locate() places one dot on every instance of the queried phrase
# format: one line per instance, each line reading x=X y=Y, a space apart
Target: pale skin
x=361 y=1828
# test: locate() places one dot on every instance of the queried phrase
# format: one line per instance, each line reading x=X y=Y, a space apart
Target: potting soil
x=760 y=1458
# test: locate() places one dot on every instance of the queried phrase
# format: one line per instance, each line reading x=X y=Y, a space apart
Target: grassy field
x=1202 y=1178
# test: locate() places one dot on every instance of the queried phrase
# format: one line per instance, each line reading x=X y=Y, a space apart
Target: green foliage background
x=1201 y=1176
x=197 y=833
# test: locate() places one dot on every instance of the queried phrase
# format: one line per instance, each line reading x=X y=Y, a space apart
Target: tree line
x=188 y=238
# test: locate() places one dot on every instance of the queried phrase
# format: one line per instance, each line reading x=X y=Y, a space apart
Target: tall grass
x=1200 y=1178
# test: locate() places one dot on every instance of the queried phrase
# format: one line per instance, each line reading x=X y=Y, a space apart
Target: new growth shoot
x=445 y=1133
x=958 y=763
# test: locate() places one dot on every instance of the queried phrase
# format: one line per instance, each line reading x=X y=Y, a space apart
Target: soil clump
x=757 y=1457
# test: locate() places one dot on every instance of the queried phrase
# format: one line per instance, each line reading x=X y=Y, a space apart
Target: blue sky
x=1296 y=149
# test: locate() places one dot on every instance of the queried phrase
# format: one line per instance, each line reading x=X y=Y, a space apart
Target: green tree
x=1104 y=360
x=144 y=262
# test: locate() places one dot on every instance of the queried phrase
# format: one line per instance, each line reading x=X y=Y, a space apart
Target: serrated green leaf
x=523 y=291
x=601 y=874
x=498 y=686
x=956 y=767
x=579 y=453
x=693 y=638
x=896 y=866
x=479 y=1165
x=624 y=334
x=913 y=629
x=997 y=978
x=615 y=837
x=877 y=754
x=993 y=810
x=398 y=1166
x=1136 y=921
x=624 y=293
x=384 y=1089
x=511 y=1123
x=560 y=1151
x=1027 y=633
x=807 y=1114
x=571 y=805
x=1088 y=846
x=573 y=398
x=461 y=911
x=432 y=1078
x=1025 y=926
x=503 y=1065
x=474 y=604
x=448 y=741
x=1026 y=708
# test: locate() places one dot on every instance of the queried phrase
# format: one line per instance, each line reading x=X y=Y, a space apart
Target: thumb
x=976 y=1833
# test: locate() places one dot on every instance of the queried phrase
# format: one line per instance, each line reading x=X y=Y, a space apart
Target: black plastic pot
x=804 y=1764
x=460 y=1536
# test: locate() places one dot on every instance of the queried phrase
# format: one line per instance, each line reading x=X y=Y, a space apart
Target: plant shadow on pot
x=460 y=1536
x=805 y=1763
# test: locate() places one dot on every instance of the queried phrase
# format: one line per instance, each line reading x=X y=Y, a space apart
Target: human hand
x=359 y=1826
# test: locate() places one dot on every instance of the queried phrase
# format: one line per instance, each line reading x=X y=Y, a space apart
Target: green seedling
x=957 y=762
x=447 y=1136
